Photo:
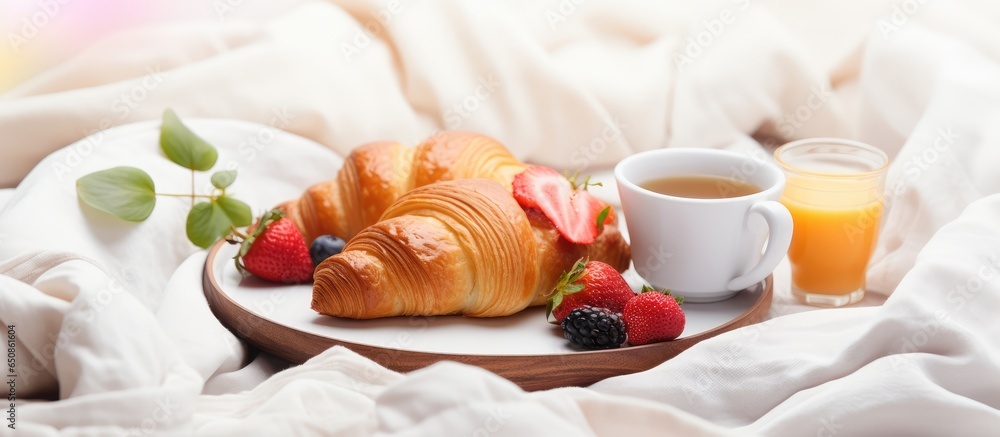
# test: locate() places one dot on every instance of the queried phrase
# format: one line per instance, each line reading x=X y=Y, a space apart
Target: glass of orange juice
x=834 y=191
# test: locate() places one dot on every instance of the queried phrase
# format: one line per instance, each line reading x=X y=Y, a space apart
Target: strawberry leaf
x=587 y=184
x=571 y=177
x=603 y=215
x=124 y=192
x=224 y=178
x=582 y=186
x=551 y=304
x=566 y=285
x=184 y=147
x=666 y=291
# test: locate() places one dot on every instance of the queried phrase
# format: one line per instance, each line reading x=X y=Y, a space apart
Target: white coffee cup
x=706 y=250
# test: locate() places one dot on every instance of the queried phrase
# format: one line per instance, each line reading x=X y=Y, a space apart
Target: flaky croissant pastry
x=405 y=265
x=376 y=174
x=457 y=247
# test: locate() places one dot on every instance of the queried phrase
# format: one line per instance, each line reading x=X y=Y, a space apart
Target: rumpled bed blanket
x=114 y=335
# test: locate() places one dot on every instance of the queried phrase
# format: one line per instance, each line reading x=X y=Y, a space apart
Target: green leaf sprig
x=130 y=194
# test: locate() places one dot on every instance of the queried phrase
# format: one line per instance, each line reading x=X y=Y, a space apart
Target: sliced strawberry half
x=577 y=215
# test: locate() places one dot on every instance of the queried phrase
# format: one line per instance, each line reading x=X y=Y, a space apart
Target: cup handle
x=779 y=226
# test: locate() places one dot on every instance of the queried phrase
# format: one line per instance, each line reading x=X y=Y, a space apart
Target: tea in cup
x=698 y=220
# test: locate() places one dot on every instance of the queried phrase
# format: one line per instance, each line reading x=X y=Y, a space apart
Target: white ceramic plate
x=525 y=333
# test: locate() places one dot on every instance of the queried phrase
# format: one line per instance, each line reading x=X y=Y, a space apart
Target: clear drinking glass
x=834 y=191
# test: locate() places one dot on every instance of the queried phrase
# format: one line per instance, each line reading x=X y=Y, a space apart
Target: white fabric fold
x=114 y=335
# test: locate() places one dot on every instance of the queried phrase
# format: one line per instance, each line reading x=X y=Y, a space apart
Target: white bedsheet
x=111 y=320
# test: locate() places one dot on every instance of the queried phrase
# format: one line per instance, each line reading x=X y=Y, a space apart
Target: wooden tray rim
x=227 y=311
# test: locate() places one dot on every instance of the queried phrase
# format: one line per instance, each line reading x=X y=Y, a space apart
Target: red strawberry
x=653 y=316
x=577 y=215
x=591 y=283
x=276 y=251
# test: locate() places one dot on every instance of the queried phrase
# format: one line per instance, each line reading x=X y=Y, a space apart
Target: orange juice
x=833 y=190
x=835 y=232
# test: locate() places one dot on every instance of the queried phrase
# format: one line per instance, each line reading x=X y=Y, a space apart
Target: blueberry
x=324 y=247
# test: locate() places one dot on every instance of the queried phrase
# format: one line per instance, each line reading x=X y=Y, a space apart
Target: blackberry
x=594 y=328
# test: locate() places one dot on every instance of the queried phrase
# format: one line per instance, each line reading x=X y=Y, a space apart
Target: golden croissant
x=376 y=174
x=456 y=247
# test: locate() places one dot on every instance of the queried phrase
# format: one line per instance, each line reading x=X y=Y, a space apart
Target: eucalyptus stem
x=129 y=193
x=192 y=188
x=192 y=196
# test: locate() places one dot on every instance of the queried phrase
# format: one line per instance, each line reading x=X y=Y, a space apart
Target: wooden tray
x=522 y=348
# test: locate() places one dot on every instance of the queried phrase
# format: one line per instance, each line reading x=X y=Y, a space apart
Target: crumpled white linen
x=111 y=320
x=563 y=92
